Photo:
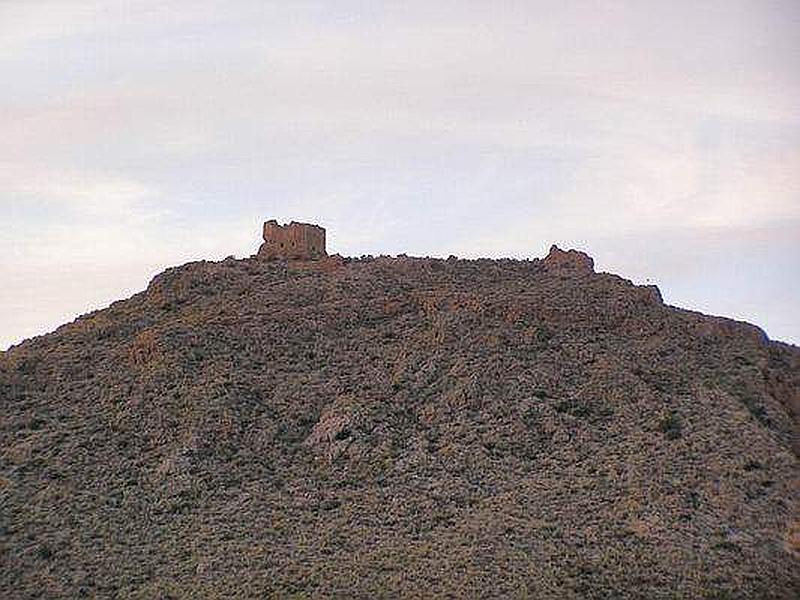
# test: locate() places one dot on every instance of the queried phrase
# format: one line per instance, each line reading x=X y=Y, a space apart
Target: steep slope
x=399 y=426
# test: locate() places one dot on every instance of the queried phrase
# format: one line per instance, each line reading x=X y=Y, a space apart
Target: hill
x=384 y=427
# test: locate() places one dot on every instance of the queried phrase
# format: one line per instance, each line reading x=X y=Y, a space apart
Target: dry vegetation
x=399 y=427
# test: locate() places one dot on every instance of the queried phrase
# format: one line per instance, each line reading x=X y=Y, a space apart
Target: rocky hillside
x=384 y=427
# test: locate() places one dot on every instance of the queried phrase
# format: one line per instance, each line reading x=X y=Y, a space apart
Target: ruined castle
x=295 y=240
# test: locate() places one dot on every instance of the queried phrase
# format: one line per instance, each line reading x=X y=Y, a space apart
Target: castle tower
x=295 y=240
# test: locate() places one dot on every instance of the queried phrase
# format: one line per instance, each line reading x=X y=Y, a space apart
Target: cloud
x=86 y=194
x=145 y=132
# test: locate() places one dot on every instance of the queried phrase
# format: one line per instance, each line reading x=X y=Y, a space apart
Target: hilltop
x=399 y=427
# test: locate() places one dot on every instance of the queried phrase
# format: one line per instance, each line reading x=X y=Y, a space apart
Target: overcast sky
x=661 y=137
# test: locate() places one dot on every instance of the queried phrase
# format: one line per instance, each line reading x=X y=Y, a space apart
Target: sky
x=663 y=138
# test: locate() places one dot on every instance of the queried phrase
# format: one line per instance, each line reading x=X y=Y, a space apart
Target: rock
x=570 y=259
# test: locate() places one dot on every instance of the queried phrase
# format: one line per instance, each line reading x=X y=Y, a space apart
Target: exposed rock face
x=570 y=259
x=295 y=240
x=399 y=427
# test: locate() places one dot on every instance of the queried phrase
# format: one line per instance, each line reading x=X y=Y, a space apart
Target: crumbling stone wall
x=295 y=240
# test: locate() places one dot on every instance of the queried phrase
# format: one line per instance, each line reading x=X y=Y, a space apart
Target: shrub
x=670 y=426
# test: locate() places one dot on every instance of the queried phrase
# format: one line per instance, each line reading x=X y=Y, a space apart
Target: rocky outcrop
x=569 y=259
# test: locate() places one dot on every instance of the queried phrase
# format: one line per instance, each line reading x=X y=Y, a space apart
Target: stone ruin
x=295 y=240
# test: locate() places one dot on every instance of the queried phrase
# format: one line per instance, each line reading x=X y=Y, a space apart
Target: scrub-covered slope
x=399 y=427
